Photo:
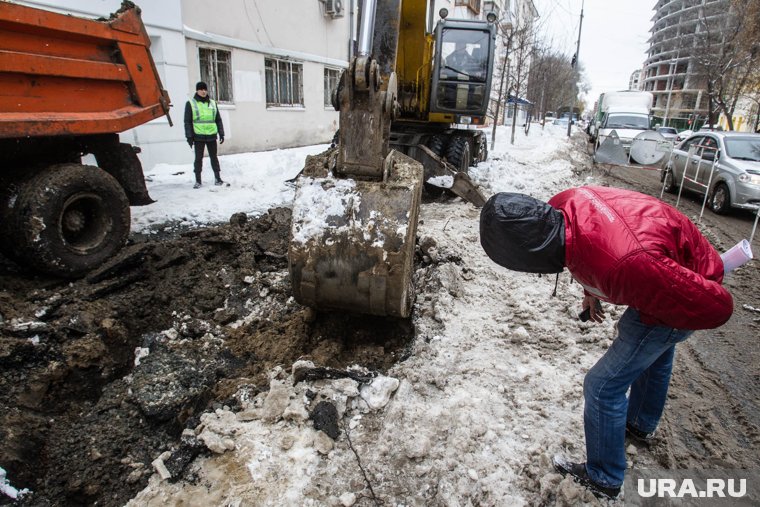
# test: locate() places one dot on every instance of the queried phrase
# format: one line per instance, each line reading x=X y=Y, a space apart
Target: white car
x=668 y=133
x=683 y=135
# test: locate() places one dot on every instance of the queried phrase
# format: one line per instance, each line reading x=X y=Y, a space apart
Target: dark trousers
x=198 y=164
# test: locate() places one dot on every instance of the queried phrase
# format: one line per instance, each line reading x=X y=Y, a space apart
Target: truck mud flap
x=352 y=242
x=120 y=161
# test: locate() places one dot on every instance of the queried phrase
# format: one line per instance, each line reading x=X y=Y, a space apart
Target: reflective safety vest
x=204 y=117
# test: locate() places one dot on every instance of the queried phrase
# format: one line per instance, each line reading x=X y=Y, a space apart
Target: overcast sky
x=613 y=38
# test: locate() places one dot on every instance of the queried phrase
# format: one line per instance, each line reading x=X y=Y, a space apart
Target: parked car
x=668 y=133
x=562 y=122
x=683 y=135
x=736 y=179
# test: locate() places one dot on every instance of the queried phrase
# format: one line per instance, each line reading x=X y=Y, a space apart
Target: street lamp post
x=508 y=28
x=574 y=63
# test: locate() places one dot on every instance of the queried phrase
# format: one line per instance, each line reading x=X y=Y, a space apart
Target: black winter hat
x=201 y=85
x=523 y=234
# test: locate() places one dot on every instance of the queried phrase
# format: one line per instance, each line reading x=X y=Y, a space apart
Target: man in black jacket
x=202 y=125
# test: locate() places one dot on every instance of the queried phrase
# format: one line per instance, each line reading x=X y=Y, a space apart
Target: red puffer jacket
x=632 y=249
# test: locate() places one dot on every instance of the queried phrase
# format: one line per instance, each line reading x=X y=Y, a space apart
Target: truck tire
x=482 y=155
x=459 y=153
x=67 y=219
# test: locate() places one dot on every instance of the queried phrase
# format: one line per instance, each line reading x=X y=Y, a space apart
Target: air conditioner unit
x=334 y=8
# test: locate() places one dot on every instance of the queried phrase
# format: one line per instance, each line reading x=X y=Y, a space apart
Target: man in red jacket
x=625 y=248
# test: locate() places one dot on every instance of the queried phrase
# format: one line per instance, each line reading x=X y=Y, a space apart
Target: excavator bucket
x=352 y=241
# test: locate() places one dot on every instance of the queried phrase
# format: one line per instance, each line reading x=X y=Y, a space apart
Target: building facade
x=634 y=82
x=271 y=66
x=670 y=71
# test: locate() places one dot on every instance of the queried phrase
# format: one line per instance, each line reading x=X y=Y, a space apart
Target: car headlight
x=749 y=178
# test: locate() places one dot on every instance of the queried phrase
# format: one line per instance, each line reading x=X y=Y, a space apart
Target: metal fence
x=650 y=151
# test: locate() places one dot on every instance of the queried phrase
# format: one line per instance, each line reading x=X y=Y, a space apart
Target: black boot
x=218 y=180
x=639 y=436
x=579 y=473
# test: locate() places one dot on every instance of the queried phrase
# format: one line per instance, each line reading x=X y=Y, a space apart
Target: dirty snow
x=257 y=182
x=318 y=201
x=8 y=490
x=491 y=391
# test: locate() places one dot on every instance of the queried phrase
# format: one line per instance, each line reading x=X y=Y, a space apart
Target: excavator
x=401 y=100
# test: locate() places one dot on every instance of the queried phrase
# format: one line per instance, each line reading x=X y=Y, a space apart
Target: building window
x=688 y=101
x=473 y=5
x=332 y=76
x=216 y=71
x=284 y=80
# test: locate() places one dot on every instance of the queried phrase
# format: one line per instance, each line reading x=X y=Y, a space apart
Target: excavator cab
x=462 y=75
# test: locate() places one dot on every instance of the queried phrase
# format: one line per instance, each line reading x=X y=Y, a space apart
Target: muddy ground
x=203 y=314
x=100 y=376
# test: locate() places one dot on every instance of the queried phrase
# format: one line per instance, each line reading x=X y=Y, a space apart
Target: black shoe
x=638 y=435
x=579 y=473
x=218 y=182
x=197 y=184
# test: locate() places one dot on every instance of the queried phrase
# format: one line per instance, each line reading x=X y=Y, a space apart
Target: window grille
x=216 y=71
x=284 y=83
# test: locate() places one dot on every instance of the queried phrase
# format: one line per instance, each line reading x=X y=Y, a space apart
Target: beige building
x=271 y=65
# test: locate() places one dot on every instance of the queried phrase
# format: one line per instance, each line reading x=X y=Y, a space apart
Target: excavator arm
x=355 y=212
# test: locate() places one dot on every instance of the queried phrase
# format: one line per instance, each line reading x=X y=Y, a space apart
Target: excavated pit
x=99 y=376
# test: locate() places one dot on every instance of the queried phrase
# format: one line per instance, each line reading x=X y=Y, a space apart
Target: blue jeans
x=640 y=358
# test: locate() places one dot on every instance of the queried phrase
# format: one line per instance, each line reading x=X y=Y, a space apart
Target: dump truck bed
x=63 y=75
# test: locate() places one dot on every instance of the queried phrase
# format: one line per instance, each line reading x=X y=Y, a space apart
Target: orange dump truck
x=68 y=86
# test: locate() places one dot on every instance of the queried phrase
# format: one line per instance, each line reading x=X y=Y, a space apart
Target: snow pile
x=8 y=490
x=491 y=391
x=320 y=202
x=531 y=166
x=258 y=181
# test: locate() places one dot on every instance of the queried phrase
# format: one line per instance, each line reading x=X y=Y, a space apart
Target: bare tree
x=511 y=71
x=554 y=80
x=524 y=42
x=726 y=53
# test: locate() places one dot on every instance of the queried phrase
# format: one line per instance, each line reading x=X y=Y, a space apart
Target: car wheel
x=720 y=200
x=668 y=181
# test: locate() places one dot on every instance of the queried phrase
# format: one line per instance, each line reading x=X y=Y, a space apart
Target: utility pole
x=574 y=64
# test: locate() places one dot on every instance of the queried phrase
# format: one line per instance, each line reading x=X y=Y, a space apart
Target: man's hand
x=190 y=141
x=221 y=140
x=594 y=307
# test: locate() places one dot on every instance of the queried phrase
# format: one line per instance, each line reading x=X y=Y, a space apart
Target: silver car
x=735 y=181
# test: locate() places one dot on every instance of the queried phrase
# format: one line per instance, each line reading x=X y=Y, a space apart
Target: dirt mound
x=100 y=376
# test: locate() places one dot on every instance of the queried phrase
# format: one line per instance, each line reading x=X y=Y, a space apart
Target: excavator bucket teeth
x=465 y=188
x=352 y=242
